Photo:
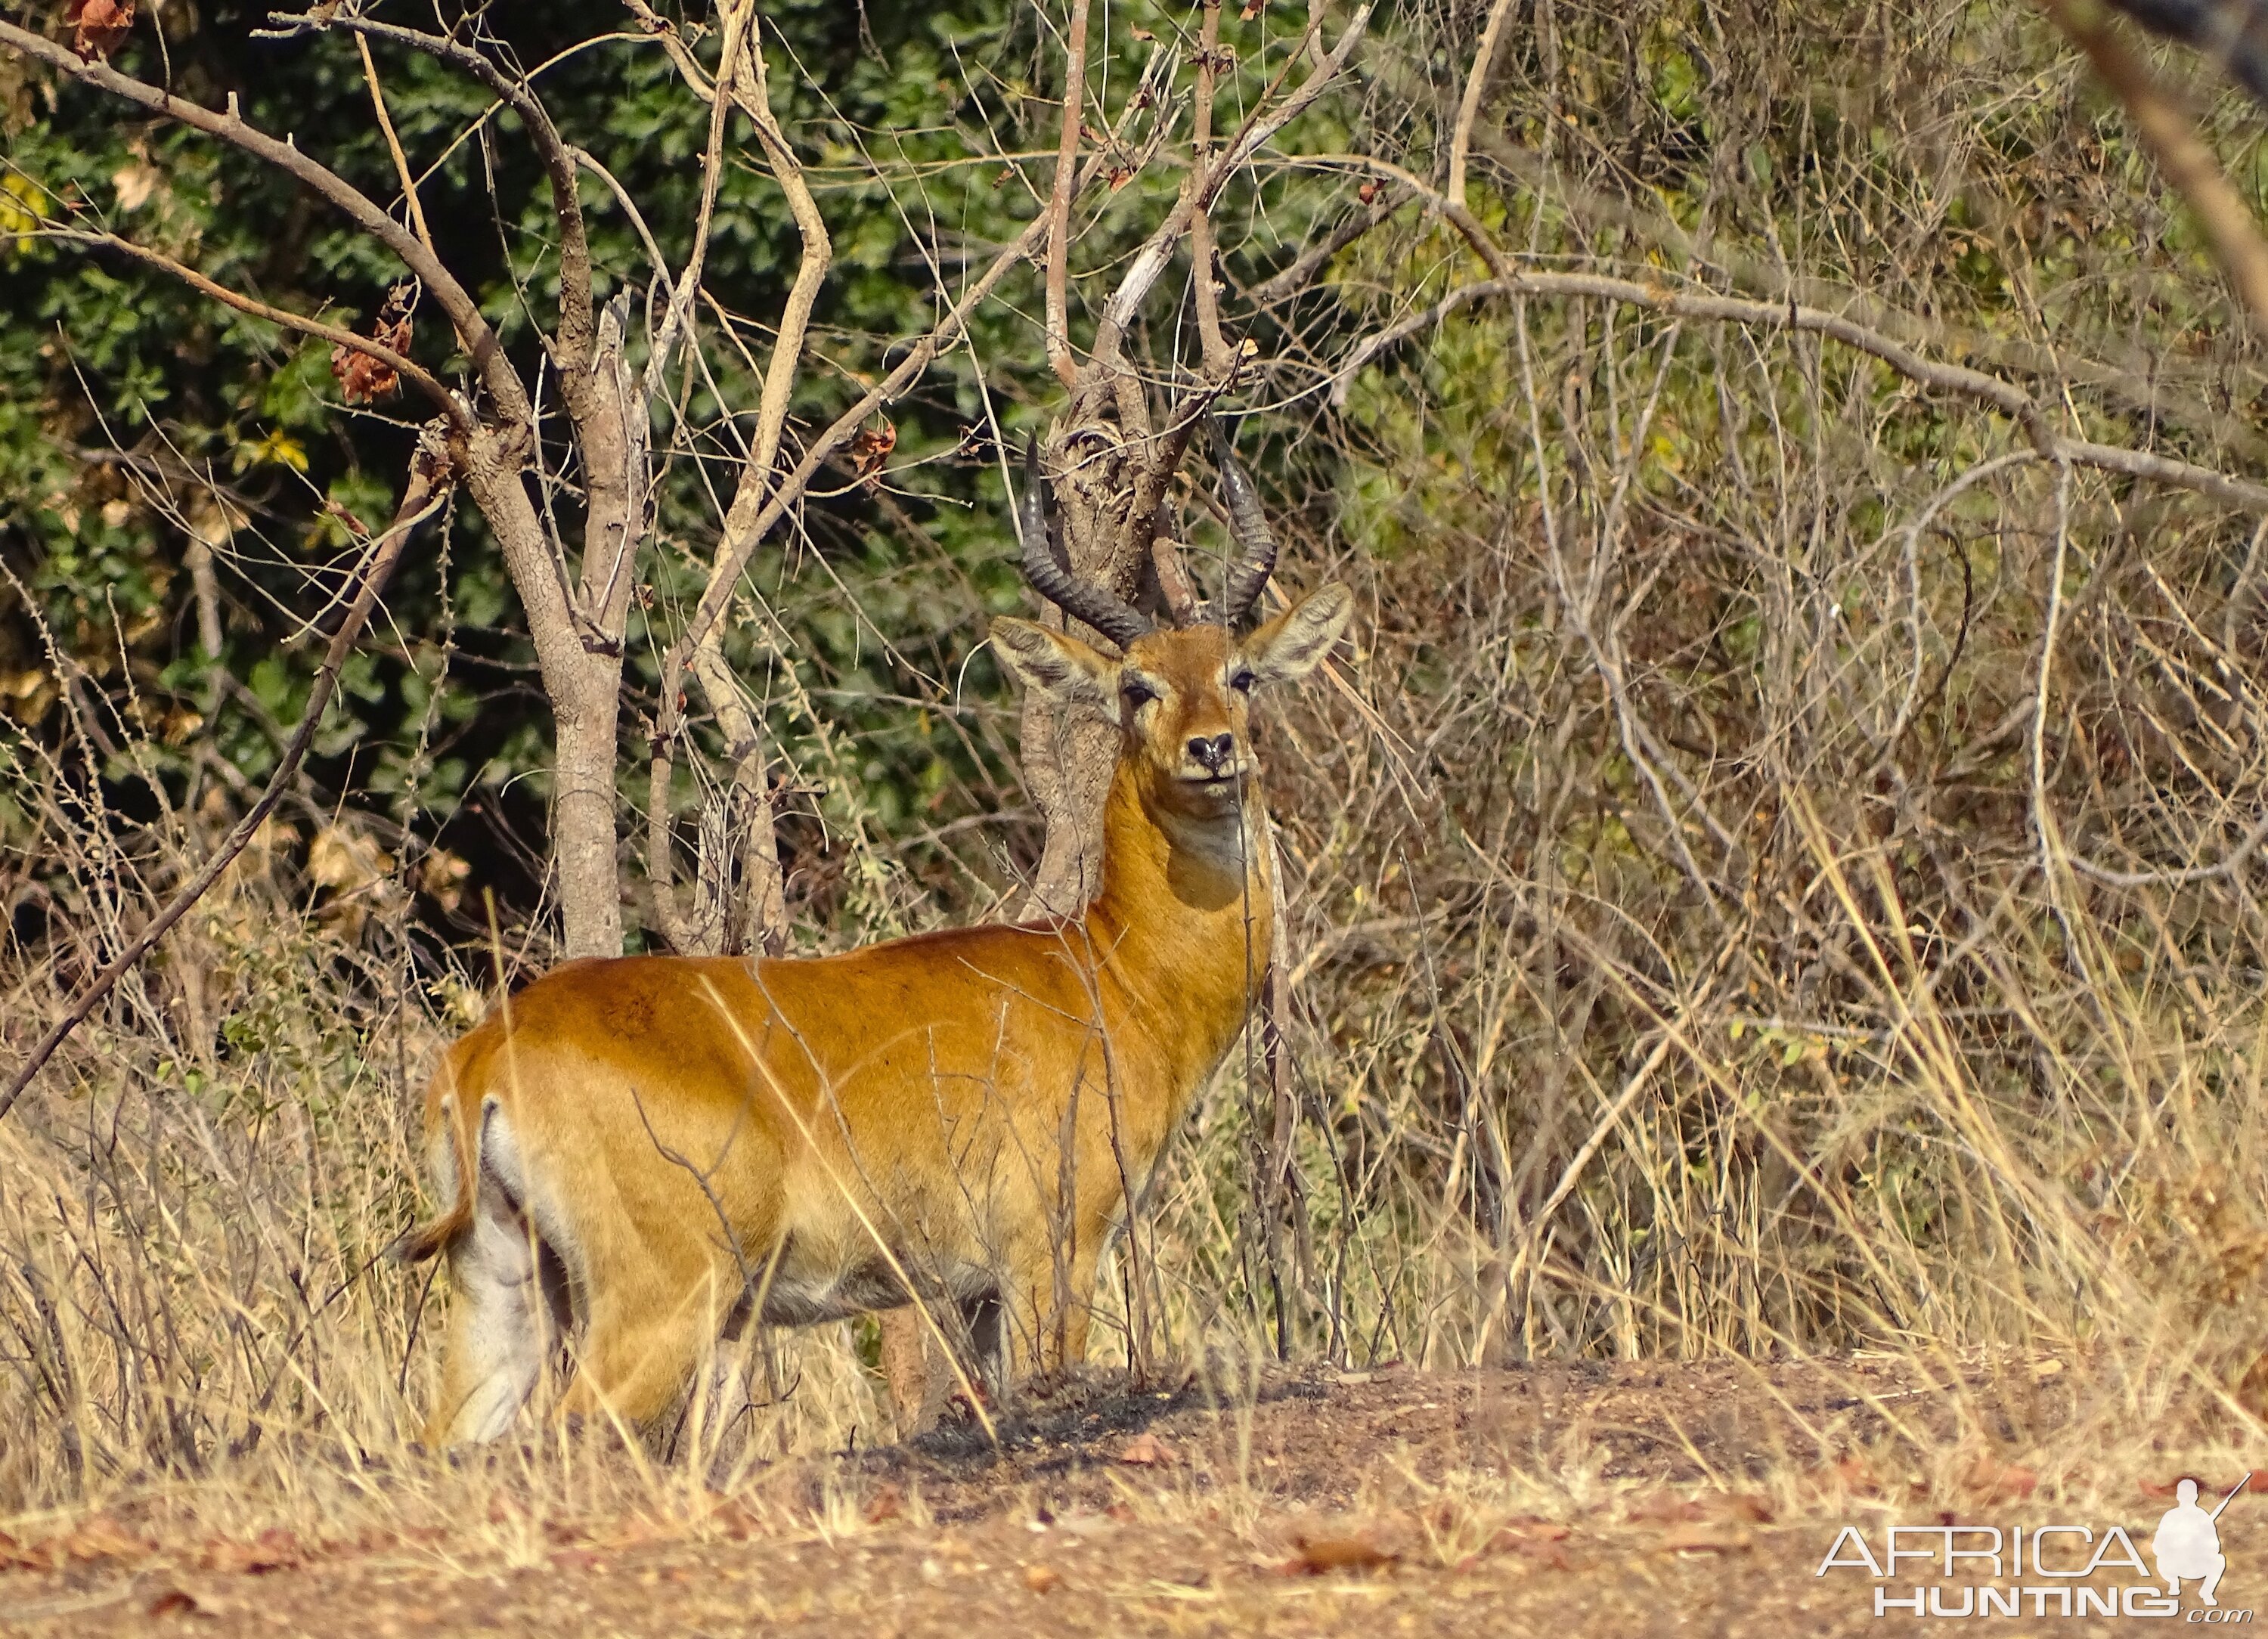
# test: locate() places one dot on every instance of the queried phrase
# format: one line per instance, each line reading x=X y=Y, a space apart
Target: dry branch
x=2004 y=396
x=1059 y=199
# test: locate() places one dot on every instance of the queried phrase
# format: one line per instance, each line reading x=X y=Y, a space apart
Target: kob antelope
x=650 y=1150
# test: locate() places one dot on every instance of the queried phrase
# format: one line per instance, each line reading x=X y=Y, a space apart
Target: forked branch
x=1059 y=199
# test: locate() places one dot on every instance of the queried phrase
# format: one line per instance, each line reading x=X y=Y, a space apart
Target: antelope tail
x=435 y=1235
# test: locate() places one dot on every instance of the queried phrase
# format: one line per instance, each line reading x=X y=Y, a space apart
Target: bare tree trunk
x=586 y=712
x=1068 y=759
x=584 y=684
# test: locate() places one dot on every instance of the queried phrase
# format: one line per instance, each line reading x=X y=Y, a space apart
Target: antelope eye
x=1137 y=693
x=1243 y=682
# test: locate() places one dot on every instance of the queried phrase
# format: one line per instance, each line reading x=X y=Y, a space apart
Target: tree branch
x=2189 y=166
x=1210 y=346
x=577 y=323
x=1295 y=278
x=1461 y=139
x=494 y=369
x=1157 y=250
x=393 y=145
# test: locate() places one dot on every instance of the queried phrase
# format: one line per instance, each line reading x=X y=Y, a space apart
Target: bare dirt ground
x=1630 y=1498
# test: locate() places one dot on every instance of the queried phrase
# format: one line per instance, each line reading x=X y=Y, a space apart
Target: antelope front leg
x=920 y=1375
x=915 y=1382
x=1048 y=1304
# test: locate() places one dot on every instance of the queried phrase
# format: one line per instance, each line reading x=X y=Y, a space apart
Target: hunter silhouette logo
x=2188 y=1543
x=1973 y=1569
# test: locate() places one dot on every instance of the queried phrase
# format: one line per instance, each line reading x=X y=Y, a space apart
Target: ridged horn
x=1082 y=599
x=1249 y=524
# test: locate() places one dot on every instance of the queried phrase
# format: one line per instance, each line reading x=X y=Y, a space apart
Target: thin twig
x=393 y=145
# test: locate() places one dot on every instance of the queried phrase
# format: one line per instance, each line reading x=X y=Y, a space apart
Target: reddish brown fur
x=955 y=1110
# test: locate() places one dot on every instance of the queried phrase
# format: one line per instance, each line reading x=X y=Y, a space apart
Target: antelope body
x=651 y=1150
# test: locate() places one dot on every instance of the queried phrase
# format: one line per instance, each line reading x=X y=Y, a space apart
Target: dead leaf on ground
x=1996 y=1481
x=1322 y=1552
x=1662 y=1508
x=1700 y=1537
x=1536 y=1540
x=272 y=1550
x=102 y=1538
x=1042 y=1578
x=177 y=1602
x=1147 y=1451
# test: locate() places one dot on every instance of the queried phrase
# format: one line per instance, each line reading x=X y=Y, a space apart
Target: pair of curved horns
x=1105 y=610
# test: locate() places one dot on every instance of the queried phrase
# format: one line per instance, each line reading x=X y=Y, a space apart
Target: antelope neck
x=1184 y=918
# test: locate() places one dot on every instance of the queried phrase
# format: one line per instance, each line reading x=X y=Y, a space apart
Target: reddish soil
x=1547 y=1500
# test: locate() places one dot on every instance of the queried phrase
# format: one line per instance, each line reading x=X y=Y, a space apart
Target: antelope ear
x=1057 y=664
x=1293 y=644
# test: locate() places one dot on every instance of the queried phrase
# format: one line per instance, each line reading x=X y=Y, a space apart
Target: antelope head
x=1181 y=696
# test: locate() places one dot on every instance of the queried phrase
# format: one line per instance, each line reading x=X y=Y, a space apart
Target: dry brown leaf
x=1535 y=1539
x=870 y=448
x=1700 y=1538
x=177 y=1602
x=1042 y=1578
x=134 y=182
x=441 y=878
x=1742 y=1506
x=1147 y=1451
x=103 y=1538
x=1320 y=1553
x=99 y=26
x=1662 y=1508
x=1997 y=1482
x=362 y=379
x=272 y=1550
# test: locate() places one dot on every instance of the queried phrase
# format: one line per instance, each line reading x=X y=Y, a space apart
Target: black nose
x=1215 y=753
